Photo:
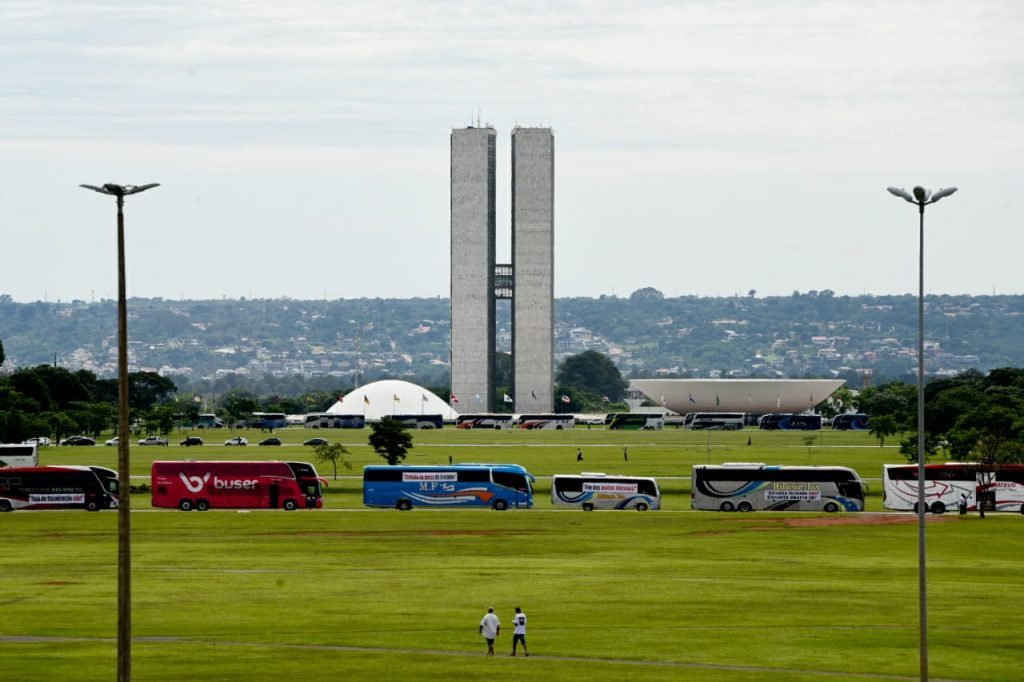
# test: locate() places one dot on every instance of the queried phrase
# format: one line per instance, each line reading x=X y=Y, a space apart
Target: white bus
x=18 y=455
x=749 y=487
x=591 y=491
x=634 y=421
x=557 y=422
x=484 y=421
x=716 y=421
x=996 y=488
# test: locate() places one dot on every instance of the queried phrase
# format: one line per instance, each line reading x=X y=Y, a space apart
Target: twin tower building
x=478 y=281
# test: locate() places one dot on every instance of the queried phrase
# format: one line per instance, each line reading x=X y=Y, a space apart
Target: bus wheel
x=831 y=507
x=641 y=506
x=938 y=508
x=726 y=506
x=202 y=505
x=289 y=505
x=745 y=506
x=500 y=505
x=404 y=505
x=587 y=506
x=185 y=504
x=92 y=505
x=5 y=506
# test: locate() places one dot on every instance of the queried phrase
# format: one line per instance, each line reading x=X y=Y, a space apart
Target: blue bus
x=851 y=422
x=498 y=486
x=790 y=422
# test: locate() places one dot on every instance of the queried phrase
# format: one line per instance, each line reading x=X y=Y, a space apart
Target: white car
x=237 y=440
x=153 y=440
x=113 y=441
x=38 y=440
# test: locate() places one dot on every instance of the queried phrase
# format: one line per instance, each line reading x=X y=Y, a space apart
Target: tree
x=333 y=453
x=646 y=294
x=2 y=356
x=391 y=440
x=883 y=426
x=591 y=373
x=991 y=434
x=148 y=389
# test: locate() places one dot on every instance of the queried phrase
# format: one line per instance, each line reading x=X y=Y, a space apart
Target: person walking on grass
x=579 y=455
x=519 y=632
x=490 y=628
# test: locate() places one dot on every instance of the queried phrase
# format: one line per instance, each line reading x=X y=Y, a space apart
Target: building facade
x=477 y=281
x=472 y=268
x=533 y=268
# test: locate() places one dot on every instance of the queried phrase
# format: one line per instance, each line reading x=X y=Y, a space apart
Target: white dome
x=390 y=397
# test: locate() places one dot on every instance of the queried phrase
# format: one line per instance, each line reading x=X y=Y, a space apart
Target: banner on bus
x=605 y=487
x=57 y=498
x=421 y=476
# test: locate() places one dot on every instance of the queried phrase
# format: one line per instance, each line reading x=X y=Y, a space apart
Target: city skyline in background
x=706 y=149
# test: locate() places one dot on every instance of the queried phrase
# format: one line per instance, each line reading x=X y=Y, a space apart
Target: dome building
x=390 y=397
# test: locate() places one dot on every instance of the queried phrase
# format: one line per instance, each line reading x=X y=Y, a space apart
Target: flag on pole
x=395 y=398
x=692 y=399
x=778 y=401
x=663 y=401
x=366 y=400
x=533 y=394
x=455 y=399
x=424 y=397
x=717 y=401
x=566 y=399
x=507 y=398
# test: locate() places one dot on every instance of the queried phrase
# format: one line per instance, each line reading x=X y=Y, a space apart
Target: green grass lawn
x=350 y=594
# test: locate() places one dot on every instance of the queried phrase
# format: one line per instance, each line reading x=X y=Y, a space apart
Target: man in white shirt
x=490 y=627
x=519 y=631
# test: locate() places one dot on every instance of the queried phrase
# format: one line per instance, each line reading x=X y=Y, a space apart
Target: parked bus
x=335 y=421
x=851 y=422
x=58 y=487
x=557 y=422
x=484 y=421
x=208 y=421
x=18 y=455
x=720 y=421
x=790 y=422
x=634 y=421
x=419 y=421
x=268 y=420
x=191 y=484
x=999 y=488
x=591 y=491
x=748 y=487
x=498 y=486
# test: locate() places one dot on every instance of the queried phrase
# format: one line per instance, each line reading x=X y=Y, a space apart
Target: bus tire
x=1022 y=509
x=938 y=508
x=587 y=506
x=404 y=505
x=202 y=505
x=500 y=505
x=290 y=505
x=727 y=506
x=5 y=506
x=185 y=504
x=92 y=505
x=558 y=428
x=641 y=506
x=745 y=506
x=831 y=507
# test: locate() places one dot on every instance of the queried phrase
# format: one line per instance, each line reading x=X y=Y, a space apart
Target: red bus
x=58 y=487
x=191 y=484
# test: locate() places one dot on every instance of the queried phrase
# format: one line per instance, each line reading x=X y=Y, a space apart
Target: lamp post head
x=943 y=193
x=901 y=193
x=120 y=190
x=921 y=194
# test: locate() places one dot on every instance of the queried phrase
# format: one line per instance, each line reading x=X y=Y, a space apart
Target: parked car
x=237 y=440
x=78 y=440
x=113 y=441
x=316 y=441
x=38 y=440
x=271 y=441
x=192 y=440
x=153 y=440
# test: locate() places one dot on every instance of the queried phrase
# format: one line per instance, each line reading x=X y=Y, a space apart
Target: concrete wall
x=533 y=263
x=472 y=267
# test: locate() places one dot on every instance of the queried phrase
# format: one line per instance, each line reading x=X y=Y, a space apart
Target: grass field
x=348 y=594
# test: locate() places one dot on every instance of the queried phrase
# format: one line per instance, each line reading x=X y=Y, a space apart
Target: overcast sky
x=702 y=147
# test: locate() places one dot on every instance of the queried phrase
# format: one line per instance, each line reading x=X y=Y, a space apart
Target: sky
x=702 y=147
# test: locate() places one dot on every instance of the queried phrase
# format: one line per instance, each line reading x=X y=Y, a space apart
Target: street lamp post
x=124 y=555
x=921 y=197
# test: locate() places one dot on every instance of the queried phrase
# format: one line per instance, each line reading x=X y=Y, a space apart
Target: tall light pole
x=124 y=554
x=921 y=198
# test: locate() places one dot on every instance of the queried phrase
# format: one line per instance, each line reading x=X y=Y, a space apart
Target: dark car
x=316 y=441
x=192 y=440
x=270 y=441
x=78 y=440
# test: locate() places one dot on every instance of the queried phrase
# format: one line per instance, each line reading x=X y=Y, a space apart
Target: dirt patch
x=407 y=533
x=864 y=520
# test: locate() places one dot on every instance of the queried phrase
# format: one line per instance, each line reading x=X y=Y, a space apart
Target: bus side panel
x=224 y=485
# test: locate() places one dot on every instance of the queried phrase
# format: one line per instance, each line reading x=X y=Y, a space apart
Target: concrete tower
x=533 y=268
x=472 y=268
